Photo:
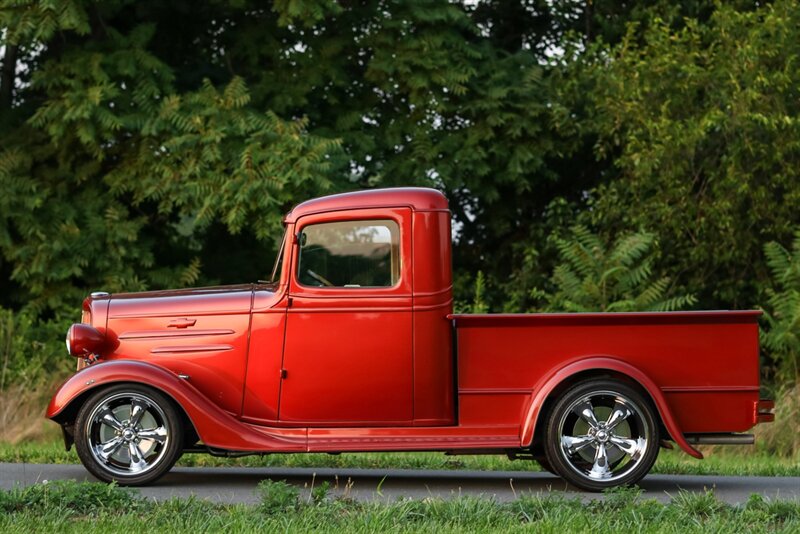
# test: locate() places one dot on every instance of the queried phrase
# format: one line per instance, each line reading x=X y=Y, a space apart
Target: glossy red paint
x=417 y=198
x=215 y=426
x=84 y=340
x=692 y=364
x=263 y=376
x=289 y=367
x=602 y=364
x=434 y=395
x=365 y=380
x=212 y=352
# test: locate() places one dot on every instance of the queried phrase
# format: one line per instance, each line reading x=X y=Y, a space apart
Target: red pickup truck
x=353 y=346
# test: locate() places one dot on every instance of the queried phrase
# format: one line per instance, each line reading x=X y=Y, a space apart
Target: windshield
x=276 y=269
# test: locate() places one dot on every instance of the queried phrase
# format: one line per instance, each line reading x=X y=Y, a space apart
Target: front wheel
x=601 y=434
x=128 y=433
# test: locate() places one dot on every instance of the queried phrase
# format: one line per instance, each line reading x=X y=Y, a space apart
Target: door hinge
x=283 y=373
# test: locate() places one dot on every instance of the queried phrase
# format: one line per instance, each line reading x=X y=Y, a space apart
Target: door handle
x=181 y=323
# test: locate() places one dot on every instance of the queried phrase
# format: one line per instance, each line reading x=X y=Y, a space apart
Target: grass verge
x=718 y=462
x=92 y=507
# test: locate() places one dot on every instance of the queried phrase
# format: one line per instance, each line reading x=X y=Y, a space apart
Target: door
x=348 y=350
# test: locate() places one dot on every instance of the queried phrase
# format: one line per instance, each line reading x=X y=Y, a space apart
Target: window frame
x=355 y=221
x=400 y=215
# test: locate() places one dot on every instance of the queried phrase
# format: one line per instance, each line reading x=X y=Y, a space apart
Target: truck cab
x=365 y=286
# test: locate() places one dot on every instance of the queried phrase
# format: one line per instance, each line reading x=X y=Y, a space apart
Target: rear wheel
x=128 y=433
x=601 y=434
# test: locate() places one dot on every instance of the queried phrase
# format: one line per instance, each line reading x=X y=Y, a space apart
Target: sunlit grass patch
x=94 y=507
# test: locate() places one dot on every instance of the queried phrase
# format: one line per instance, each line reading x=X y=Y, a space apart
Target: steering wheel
x=321 y=279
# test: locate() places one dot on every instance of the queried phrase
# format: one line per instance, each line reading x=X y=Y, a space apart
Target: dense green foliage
x=92 y=507
x=704 y=124
x=28 y=347
x=150 y=144
x=783 y=335
x=594 y=277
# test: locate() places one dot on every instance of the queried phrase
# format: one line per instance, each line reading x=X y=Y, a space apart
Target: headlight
x=84 y=340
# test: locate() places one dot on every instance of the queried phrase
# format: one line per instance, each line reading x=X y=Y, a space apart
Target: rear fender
x=215 y=427
x=549 y=384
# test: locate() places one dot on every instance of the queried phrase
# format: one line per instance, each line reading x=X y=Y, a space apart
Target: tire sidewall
x=552 y=442
x=172 y=421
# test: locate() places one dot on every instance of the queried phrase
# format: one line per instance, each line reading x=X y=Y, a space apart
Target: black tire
x=614 y=443
x=114 y=447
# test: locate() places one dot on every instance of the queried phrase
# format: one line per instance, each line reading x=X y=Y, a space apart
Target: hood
x=204 y=300
x=210 y=290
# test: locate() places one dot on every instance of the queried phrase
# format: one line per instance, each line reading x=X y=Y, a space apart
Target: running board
x=473 y=452
x=222 y=453
x=720 y=439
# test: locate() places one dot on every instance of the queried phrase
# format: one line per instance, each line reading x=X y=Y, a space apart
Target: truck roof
x=417 y=198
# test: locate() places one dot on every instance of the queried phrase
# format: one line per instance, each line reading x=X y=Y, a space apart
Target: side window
x=350 y=254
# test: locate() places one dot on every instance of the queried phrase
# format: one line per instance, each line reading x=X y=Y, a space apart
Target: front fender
x=546 y=387
x=215 y=427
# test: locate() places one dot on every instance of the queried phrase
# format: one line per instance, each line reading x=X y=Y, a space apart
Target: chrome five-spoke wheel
x=128 y=433
x=601 y=434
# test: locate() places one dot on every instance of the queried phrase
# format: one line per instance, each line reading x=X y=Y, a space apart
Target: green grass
x=93 y=507
x=674 y=462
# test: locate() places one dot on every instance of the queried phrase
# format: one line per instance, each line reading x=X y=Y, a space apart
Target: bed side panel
x=706 y=365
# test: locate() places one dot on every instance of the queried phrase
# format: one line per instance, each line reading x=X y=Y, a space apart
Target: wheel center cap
x=128 y=434
x=602 y=436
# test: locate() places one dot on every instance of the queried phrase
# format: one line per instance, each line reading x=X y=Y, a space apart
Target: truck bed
x=704 y=363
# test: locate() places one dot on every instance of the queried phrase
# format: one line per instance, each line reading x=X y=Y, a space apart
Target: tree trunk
x=8 y=76
x=589 y=21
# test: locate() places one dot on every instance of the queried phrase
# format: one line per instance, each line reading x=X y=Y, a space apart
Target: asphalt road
x=237 y=484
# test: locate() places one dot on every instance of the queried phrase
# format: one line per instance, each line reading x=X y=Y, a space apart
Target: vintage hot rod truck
x=353 y=346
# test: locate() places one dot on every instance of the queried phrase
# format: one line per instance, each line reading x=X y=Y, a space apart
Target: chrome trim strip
x=446 y=304
x=404 y=308
x=190 y=348
x=433 y=293
x=180 y=313
x=495 y=391
x=148 y=334
x=709 y=389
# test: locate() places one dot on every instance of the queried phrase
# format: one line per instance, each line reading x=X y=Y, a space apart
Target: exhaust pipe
x=720 y=439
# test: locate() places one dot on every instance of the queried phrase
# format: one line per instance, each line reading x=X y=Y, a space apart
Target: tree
x=594 y=276
x=702 y=126
x=782 y=336
x=174 y=137
x=111 y=175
